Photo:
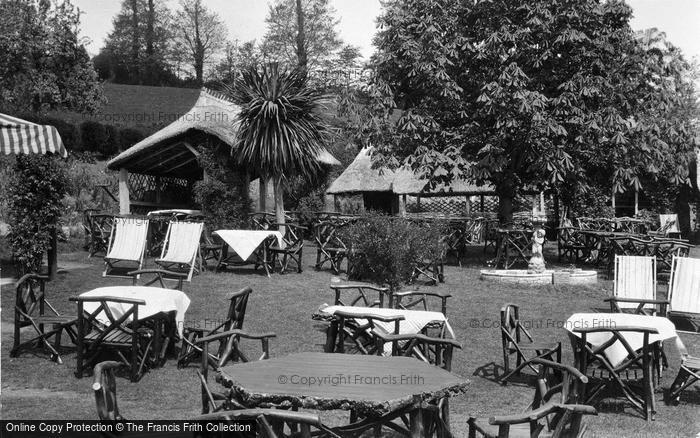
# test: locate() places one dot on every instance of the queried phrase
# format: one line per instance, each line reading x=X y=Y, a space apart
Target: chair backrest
x=236 y=310
x=182 y=242
x=161 y=276
x=105 y=388
x=586 y=354
x=274 y=423
x=511 y=329
x=668 y=223
x=103 y=320
x=361 y=294
x=433 y=350
x=409 y=300
x=326 y=235
x=684 y=286
x=30 y=298
x=128 y=239
x=261 y=220
x=635 y=277
x=293 y=236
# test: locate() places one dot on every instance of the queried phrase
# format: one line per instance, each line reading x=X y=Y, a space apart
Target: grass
x=34 y=387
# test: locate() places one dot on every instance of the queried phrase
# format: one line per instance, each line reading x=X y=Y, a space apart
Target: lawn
x=34 y=387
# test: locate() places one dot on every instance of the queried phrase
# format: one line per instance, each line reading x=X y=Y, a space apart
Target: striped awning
x=18 y=136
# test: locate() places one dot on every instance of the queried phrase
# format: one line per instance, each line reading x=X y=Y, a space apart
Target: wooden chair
x=238 y=303
x=105 y=388
x=181 y=248
x=274 y=423
x=129 y=341
x=360 y=329
x=433 y=350
x=409 y=300
x=570 y=244
x=291 y=249
x=229 y=349
x=668 y=226
x=99 y=229
x=555 y=410
x=491 y=234
x=330 y=248
x=684 y=293
x=361 y=294
x=635 y=370
x=161 y=277
x=664 y=249
x=127 y=246
x=211 y=248
x=514 y=344
x=32 y=309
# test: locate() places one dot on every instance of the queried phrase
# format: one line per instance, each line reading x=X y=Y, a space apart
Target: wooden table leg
x=417 y=427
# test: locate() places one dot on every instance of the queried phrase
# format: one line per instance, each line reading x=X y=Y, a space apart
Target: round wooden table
x=376 y=387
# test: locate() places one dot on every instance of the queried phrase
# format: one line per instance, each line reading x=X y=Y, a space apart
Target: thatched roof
x=170 y=151
x=361 y=177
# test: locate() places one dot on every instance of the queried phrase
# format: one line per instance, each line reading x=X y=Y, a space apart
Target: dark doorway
x=382 y=202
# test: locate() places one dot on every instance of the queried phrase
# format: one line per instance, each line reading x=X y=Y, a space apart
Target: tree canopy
x=45 y=64
x=549 y=94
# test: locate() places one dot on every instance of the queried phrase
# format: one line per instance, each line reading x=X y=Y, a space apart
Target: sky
x=245 y=20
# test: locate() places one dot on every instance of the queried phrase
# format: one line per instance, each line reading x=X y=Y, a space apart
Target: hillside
x=145 y=108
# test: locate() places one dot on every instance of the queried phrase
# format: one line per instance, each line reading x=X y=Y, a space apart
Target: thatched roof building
x=167 y=159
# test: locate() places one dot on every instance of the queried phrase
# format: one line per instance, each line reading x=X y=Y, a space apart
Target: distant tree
x=44 y=63
x=237 y=57
x=201 y=33
x=138 y=48
x=317 y=41
x=549 y=94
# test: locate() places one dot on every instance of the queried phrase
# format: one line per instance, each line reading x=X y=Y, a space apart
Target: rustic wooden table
x=378 y=388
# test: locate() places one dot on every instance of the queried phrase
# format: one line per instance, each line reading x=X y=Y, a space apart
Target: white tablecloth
x=157 y=300
x=244 y=242
x=617 y=353
x=414 y=322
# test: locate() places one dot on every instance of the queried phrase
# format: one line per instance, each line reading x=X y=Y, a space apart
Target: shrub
x=386 y=250
x=93 y=135
x=129 y=137
x=35 y=199
x=221 y=195
x=112 y=141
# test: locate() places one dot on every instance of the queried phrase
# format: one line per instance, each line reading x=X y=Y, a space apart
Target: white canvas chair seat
x=669 y=223
x=684 y=289
x=635 y=278
x=127 y=246
x=181 y=247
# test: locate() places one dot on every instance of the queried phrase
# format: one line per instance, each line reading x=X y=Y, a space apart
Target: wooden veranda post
x=124 y=203
x=402 y=205
x=263 y=194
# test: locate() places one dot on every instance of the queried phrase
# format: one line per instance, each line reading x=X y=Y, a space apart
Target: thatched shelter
x=159 y=171
x=360 y=187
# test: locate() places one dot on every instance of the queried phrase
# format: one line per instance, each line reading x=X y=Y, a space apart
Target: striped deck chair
x=684 y=293
x=634 y=288
x=127 y=246
x=181 y=248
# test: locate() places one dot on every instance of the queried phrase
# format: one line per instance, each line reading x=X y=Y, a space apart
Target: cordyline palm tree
x=281 y=131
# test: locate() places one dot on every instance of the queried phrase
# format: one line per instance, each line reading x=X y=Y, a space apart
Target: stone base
x=522 y=276
x=575 y=276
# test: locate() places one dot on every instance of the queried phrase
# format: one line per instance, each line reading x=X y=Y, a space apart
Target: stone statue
x=536 y=265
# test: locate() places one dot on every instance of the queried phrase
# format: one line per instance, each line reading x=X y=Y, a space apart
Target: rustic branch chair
x=274 y=423
x=361 y=294
x=31 y=310
x=684 y=293
x=100 y=230
x=665 y=249
x=181 y=248
x=491 y=234
x=291 y=249
x=231 y=342
x=555 y=410
x=513 y=344
x=127 y=246
x=210 y=248
x=161 y=277
x=238 y=303
x=329 y=246
x=570 y=244
x=87 y=227
x=636 y=369
x=688 y=374
x=513 y=247
x=105 y=388
x=359 y=328
x=131 y=342
x=432 y=268
x=426 y=301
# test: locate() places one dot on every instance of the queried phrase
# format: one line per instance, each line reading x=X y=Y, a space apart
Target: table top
x=175 y=211
x=157 y=300
x=244 y=242
x=616 y=353
x=373 y=385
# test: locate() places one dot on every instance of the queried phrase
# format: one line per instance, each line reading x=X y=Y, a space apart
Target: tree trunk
x=302 y=58
x=150 y=62
x=279 y=202
x=135 y=42
x=506 y=194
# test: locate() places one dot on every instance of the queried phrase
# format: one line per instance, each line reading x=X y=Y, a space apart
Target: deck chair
x=31 y=310
x=555 y=411
x=684 y=293
x=232 y=351
x=668 y=226
x=181 y=248
x=633 y=376
x=291 y=249
x=128 y=341
x=238 y=302
x=513 y=344
x=634 y=288
x=127 y=246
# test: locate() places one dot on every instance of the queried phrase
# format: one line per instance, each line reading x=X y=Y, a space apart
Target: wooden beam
x=124 y=206
x=161 y=162
x=184 y=163
x=194 y=151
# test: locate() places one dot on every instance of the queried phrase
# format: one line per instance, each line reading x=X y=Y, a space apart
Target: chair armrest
x=34 y=276
x=244 y=291
x=108 y=298
x=624 y=328
x=389 y=337
x=157 y=271
x=571 y=370
x=541 y=412
x=637 y=300
x=369 y=315
x=104 y=366
x=417 y=292
x=344 y=286
x=236 y=332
